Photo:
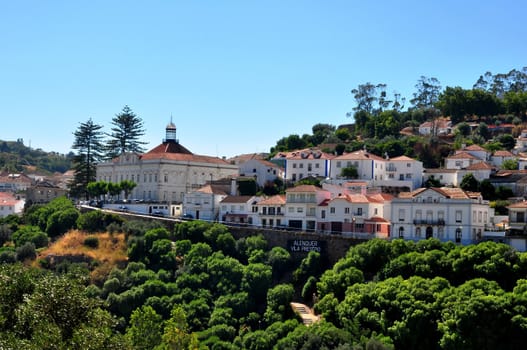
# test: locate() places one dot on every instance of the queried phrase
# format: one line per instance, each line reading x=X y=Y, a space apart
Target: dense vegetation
x=15 y=157
x=198 y=287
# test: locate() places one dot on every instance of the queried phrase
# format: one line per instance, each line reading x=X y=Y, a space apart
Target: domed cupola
x=171 y=132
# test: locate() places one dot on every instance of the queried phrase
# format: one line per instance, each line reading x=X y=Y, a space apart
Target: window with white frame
x=401 y=215
x=459 y=216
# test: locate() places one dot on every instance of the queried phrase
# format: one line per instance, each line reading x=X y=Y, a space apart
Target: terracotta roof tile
x=462 y=155
x=236 y=199
x=402 y=158
x=279 y=199
x=358 y=155
x=519 y=205
x=475 y=148
x=176 y=152
x=304 y=188
x=503 y=153
x=480 y=166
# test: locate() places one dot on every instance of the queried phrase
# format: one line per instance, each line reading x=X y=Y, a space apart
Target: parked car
x=187 y=216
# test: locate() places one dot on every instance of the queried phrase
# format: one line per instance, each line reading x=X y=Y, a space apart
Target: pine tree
x=89 y=146
x=126 y=131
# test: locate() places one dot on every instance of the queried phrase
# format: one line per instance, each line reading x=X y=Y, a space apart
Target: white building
x=446 y=177
x=403 y=172
x=269 y=212
x=14 y=182
x=499 y=157
x=166 y=172
x=356 y=214
x=439 y=126
x=477 y=151
x=301 y=206
x=261 y=170
x=449 y=214
x=461 y=160
x=369 y=166
x=237 y=209
x=204 y=203
x=304 y=163
x=521 y=142
x=10 y=205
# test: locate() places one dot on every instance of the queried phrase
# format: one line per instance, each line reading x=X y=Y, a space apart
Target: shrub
x=26 y=251
x=7 y=257
x=113 y=228
x=31 y=234
x=5 y=234
x=94 y=221
x=92 y=242
x=61 y=221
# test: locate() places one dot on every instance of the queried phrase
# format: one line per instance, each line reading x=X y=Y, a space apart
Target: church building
x=166 y=172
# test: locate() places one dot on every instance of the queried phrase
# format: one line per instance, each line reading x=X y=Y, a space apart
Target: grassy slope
x=111 y=251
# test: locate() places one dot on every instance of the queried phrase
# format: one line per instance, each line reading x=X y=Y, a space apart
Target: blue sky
x=236 y=76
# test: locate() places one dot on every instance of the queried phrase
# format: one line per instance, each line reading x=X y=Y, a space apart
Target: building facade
x=449 y=214
x=167 y=172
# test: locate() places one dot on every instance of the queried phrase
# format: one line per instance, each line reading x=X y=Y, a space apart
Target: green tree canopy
x=89 y=146
x=126 y=132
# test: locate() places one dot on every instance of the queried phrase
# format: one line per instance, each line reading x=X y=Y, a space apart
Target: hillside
x=109 y=253
x=16 y=157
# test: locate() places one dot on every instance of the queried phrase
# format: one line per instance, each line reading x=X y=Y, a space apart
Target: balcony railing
x=438 y=222
x=271 y=214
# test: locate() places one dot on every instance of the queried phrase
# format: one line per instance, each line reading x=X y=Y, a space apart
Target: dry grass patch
x=111 y=251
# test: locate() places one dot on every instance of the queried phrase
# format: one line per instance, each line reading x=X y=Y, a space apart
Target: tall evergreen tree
x=89 y=146
x=126 y=131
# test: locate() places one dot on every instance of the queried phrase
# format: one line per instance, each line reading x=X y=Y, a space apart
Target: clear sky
x=236 y=76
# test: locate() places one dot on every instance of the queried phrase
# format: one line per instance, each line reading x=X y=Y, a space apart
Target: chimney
x=234 y=189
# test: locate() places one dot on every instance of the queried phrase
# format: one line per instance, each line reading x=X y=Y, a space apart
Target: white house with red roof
x=304 y=163
x=167 y=172
x=269 y=212
x=356 y=214
x=204 y=203
x=446 y=177
x=261 y=170
x=238 y=209
x=449 y=214
x=369 y=166
x=403 y=171
x=499 y=157
x=9 y=205
x=301 y=206
x=439 y=126
x=14 y=182
x=377 y=171
x=477 y=151
x=461 y=160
